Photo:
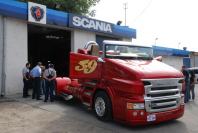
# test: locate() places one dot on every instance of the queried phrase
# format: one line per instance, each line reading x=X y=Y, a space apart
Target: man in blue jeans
x=49 y=76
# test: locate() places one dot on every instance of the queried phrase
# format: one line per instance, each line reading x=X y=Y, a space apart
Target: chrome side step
x=66 y=96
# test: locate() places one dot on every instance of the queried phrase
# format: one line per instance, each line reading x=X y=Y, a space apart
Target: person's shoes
x=51 y=100
x=45 y=100
x=33 y=97
x=24 y=96
x=38 y=99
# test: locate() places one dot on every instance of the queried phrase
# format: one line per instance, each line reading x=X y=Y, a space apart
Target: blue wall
x=157 y=51
x=16 y=9
x=19 y=10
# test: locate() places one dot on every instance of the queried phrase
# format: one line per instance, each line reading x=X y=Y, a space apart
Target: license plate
x=151 y=117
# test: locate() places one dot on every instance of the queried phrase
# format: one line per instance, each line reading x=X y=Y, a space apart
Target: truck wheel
x=102 y=106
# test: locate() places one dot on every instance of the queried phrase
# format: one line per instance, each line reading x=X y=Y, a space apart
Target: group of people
x=190 y=80
x=42 y=81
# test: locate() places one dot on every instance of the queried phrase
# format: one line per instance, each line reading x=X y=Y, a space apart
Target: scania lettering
x=124 y=83
x=91 y=24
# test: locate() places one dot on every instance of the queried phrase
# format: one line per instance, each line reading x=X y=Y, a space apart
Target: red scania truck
x=125 y=83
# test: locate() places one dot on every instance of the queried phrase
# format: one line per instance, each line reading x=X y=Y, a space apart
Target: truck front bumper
x=141 y=117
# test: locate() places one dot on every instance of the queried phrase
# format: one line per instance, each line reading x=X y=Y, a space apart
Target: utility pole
x=125 y=8
x=156 y=40
x=178 y=45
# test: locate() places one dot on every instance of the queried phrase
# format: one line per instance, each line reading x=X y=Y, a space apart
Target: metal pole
x=178 y=45
x=3 y=59
x=156 y=40
x=125 y=8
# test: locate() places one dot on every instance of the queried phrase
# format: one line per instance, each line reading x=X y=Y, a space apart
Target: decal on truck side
x=86 y=66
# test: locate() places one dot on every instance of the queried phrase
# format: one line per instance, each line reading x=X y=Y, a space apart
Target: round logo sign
x=37 y=13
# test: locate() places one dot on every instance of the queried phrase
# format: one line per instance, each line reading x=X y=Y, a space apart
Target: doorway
x=49 y=44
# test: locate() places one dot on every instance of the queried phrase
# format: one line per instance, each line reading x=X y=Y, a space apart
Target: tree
x=81 y=7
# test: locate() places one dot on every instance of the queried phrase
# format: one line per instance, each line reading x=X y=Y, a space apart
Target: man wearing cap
x=36 y=75
x=49 y=76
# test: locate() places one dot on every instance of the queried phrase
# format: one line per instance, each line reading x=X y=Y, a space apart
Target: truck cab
x=125 y=82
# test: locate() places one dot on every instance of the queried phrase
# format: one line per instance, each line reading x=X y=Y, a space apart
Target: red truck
x=125 y=83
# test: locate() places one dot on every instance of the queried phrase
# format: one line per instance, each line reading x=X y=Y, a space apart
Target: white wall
x=174 y=61
x=127 y=39
x=16 y=54
x=194 y=60
x=79 y=38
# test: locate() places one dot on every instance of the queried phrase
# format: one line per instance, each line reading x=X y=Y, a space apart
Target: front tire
x=102 y=106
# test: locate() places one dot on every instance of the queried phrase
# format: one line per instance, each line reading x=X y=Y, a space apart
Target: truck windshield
x=128 y=52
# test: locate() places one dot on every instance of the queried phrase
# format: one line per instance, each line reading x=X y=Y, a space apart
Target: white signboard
x=82 y=22
x=36 y=13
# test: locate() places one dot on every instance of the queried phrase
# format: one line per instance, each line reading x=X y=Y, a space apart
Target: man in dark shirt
x=187 y=84
x=49 y=76
x=26 y=78
x=192 y=85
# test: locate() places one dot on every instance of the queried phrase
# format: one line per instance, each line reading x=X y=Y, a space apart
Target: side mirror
x=100 y=60
x=158 y=58
x=100 y=53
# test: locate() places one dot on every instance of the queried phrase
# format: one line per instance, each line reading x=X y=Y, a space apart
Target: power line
x=143 y=11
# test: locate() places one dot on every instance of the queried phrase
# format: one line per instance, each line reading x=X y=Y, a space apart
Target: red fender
x=62 y=85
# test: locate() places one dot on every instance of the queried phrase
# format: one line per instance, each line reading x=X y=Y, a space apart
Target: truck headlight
x=136 y=106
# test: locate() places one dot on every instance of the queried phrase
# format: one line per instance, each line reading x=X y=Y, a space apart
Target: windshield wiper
x=145 y=58
x=129 y=57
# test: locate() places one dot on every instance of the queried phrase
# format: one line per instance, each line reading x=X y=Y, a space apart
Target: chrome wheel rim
x=100 y=106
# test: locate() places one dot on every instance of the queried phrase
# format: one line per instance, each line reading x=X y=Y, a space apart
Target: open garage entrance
x=49 y=44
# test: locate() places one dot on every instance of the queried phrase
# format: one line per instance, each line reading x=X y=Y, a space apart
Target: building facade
x=22 y=40
x=173 y=57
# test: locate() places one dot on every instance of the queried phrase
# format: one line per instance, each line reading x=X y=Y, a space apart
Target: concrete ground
x=19 y=115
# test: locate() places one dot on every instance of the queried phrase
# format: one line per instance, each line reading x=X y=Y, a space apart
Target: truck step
x=86 y=104
x=66 y=96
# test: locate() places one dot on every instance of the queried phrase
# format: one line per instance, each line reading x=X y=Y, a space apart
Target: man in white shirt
x=49 y=76
x=36 y=75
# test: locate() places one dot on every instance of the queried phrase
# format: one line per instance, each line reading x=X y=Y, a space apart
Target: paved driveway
x=18 y=115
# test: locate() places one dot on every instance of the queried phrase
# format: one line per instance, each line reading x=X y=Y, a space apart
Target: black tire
x=101 y=98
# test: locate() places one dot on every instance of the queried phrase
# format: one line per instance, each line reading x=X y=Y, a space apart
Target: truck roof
x=123 y=43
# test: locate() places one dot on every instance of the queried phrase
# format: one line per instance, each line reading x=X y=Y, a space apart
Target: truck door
x=84 y=66
x=88 y=71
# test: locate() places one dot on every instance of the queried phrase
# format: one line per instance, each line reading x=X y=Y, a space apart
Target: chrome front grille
x=162 y=94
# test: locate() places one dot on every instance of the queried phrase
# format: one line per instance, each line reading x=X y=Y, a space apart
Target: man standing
x=49 y=76
x=26 y=78
x=192 y=85
x=36 y=75
x=187 y=84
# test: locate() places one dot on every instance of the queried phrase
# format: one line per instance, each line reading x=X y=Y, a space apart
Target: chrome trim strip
x=162 y=98
x=162 y=79
x=166 y=103
x=164 y=91
x=163 y=109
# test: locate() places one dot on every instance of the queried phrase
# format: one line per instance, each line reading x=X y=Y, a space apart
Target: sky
x=166 y=23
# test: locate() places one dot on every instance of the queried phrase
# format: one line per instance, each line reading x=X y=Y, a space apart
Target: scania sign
x=89 y=24
x=36 y=13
